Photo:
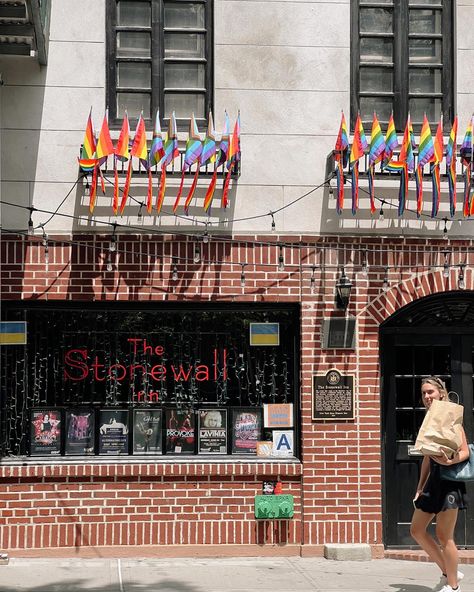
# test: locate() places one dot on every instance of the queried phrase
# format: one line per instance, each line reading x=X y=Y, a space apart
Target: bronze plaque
x=333 y=396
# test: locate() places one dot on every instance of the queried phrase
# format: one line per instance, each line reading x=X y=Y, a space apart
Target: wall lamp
x=343 y=291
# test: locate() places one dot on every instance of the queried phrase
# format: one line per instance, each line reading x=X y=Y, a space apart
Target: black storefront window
x=103 y=378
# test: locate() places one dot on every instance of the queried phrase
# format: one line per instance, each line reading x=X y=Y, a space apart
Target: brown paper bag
x=441 y=430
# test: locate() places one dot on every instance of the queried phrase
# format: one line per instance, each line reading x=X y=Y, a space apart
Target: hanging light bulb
x=45 y=245
x=242 y=276
x=31 y=228
x=281 y=261
x=197 y=254
x=446 y=269
x=381 y=214
x=109 y=265
x=113 y=241
x=312 y=281
x=365 y=266
x=331 y=189
x=445 y=229
x=140 y=215
x=174 y=275
x=273 y=222
x=461 y=280
x=205 y=236
x=385 y=284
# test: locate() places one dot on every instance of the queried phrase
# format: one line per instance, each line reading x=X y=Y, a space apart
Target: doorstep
x=465 y=555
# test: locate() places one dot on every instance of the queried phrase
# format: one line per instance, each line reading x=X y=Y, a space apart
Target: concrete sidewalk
x=279 y=574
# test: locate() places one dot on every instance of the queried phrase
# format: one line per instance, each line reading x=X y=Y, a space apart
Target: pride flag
x=426 y=154
x=341 y=150
x=451 y=163
x=191 y=155
x=208 y=154
x=122 y=153
x=435 y=168
x=391 y=142
x=87 y=160
x=376 y=152
x=233 y=156
x=156 y=153
x=359 y=145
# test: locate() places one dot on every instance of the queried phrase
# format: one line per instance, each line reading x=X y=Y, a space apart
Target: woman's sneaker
x=443 y=581
x=449 y=589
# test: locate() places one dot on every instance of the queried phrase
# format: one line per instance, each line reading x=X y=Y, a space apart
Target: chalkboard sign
x=333 y=396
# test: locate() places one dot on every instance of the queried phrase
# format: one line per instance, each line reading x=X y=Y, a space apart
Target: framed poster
x=147 y=431
x=246 y=429
x=333 y=396
x=80 y=424
x=180 y=435
x=45 y=431
x=113 y=431
x=212 y=431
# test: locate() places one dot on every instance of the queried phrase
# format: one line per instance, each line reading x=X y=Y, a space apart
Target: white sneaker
x=449 y=589
x=443 y=581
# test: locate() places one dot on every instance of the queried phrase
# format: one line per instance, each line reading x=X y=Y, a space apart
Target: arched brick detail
x=410 y=289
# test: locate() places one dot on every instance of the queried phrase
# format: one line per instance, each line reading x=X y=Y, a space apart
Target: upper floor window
x=402 y=60
x=159 y=56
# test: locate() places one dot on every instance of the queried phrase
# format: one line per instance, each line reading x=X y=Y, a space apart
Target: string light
x=461 y=280
x=381 y=215
x=31 y=228
x=174 y=275
x=273 y=222
x=365 y=266
x=331 y=189
x=281 y=261
x=242 y=275
x=45 y=245
x=108 y=264
x=385 y=284
x=197 y=254
x=446 y=264
x=113 y=240
x=312 y=281
x=205 y=236
x=140 y=215
x=445 y=229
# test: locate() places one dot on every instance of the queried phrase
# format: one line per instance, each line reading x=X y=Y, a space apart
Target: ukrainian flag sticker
x=12 y=333
x=264 y=333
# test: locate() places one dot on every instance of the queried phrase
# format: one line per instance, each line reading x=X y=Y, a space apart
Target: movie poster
x=113 y=431
x=147 y=432
x=45 y=432
x=180 y=431
x=79 y=431
x=212 y=431
x=246 y=430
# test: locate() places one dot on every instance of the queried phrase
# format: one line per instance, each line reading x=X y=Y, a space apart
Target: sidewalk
x=279 y=574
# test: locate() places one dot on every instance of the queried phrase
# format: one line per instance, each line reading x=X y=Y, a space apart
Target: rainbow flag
x=426 y=154
x=156 y=150
x=359 y=145
x=451 y=163
x=406 y=153
x=87 y=160
x=224 y=143
x=466 y=146
x=376 y=152
x=104 y=146
x=342 y=142
x=340 y=186
x=192 y=153
x=208 y=154
x=435 y=169
x=122 y=153
x=233 y=156
x=402 y=168
x=171 y=151
x=391 y=142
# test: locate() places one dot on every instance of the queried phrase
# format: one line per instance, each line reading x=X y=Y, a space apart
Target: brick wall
x=337 y=487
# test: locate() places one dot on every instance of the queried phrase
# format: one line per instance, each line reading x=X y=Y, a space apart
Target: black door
x=408 y=353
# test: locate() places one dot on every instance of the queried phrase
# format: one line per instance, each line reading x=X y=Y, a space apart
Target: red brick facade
x=338 y=484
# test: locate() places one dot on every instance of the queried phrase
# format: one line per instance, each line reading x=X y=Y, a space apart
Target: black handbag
x=463 y=471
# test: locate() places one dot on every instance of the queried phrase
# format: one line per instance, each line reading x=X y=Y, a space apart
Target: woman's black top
x=439 y=495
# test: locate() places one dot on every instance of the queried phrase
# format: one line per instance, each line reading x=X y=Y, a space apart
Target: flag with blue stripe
x=264 y=333
x=12 y=333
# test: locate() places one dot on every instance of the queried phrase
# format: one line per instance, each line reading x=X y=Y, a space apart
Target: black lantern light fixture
x=343 y=291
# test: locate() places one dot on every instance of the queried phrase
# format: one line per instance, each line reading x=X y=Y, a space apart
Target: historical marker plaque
x=333 y=396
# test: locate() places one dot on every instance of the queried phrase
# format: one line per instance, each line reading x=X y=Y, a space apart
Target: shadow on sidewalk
x=82 y=585
x=410 y=588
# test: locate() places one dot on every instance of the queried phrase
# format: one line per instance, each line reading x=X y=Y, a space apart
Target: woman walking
x=440 y=498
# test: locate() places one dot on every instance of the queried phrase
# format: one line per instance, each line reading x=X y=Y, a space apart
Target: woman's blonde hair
x=438 y=383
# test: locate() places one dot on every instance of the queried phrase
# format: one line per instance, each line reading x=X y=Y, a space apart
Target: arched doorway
x=434 y=335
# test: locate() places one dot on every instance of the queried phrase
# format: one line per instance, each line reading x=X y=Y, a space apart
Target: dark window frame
x=158 y=60
x=400 y=62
